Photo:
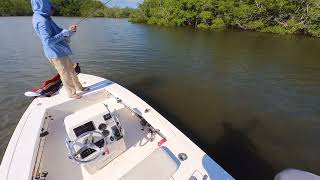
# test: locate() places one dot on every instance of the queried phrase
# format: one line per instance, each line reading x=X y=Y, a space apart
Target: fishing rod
x=90 y=14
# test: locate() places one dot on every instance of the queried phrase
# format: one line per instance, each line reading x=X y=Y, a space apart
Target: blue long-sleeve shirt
x=51 y=35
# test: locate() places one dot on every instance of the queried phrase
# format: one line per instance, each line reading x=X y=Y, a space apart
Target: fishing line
x=90 y=14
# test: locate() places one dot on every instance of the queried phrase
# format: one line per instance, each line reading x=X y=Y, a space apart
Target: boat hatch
x=159 y=165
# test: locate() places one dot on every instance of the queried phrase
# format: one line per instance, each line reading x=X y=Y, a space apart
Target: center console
x=96 y=118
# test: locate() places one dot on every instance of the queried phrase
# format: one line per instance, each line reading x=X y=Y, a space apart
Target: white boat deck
x=55 y=150
x=28 y=154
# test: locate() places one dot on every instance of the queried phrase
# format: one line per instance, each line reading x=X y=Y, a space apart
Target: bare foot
x=76 y=96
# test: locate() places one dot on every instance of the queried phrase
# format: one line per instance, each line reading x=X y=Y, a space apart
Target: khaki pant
x=68 y=76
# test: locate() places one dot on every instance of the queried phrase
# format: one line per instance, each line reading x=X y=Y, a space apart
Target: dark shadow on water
x=233 y=151
x=238 y=155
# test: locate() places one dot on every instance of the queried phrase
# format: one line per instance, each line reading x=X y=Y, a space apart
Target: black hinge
x=43 y=134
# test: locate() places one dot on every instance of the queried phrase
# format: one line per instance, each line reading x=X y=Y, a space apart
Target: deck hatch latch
x=43 y=134
x=42 y=175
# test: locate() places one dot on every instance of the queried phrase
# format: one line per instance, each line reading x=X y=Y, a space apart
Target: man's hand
x=73 y=28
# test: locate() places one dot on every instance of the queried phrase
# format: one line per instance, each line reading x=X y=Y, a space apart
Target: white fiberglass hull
x=29 y=154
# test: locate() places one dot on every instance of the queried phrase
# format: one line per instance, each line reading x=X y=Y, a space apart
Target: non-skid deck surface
x=56 y=162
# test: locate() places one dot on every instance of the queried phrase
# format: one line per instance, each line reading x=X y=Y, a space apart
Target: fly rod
x=90 y=14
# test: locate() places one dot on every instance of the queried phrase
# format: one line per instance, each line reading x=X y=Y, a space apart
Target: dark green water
x=250 y=100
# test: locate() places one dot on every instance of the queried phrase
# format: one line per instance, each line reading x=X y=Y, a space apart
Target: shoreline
x=300 y=34
x=229 y=29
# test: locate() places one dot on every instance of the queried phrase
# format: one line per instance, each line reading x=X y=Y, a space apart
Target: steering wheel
x=84 y=142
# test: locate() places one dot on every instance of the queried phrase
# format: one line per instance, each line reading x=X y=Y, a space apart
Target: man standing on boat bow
x=56 y=47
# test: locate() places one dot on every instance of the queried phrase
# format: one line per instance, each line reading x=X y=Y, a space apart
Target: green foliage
x=255 y=25
x=274 y=29
x=15 y=7
x=138 y=17
x=65 y=8
x=117 y=12
x=294 y=26
x=218 y=23
x=203 y=26
x=290 y=27
x=274 y=16
x=85 y=7
x=314 y=30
